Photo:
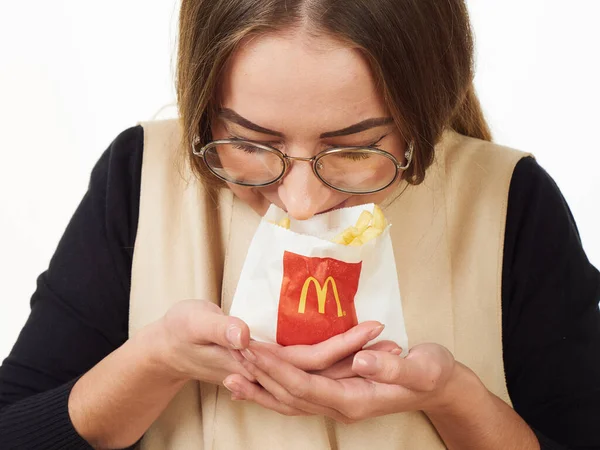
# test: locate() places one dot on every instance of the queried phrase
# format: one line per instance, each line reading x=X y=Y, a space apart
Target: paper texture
x=298 y=287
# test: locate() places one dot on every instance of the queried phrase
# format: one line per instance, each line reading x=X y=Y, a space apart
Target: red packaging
x=316 y=300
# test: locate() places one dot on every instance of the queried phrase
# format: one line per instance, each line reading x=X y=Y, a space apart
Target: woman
x=129 y=336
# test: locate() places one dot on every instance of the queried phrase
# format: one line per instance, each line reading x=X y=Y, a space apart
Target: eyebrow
x=232 y=116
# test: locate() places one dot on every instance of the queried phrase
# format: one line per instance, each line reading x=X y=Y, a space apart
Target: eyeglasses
x=351 y=170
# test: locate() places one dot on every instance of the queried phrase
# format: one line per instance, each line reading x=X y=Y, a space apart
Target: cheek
x=377 y=198
x=253 y=197
x=374 y=172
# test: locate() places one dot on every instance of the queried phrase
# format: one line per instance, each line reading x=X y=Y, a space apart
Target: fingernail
x=232 y=386
x=365 y=364
x=376 y=331
x=234 y=336
x=396 y=351
x=247 y=353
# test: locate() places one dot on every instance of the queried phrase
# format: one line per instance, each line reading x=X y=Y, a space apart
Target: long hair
x=420 y=53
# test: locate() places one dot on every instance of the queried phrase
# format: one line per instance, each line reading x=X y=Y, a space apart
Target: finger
x=207 y=325
x=284 y=396
x=242 y=389
x=346 y=400
x=239 y=359
x=343 y=368
x=281 y=351
x=324 y=354
x=384 y=346
x=293 y=386
x=417 y=374
x=213 y=363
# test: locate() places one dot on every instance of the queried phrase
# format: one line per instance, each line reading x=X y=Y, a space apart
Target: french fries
x=283 y=223
x=367 y=227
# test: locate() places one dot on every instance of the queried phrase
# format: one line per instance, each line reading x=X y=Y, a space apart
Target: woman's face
x=288 y=90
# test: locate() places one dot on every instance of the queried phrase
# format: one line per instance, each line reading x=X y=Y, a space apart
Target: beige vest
x=448 y=238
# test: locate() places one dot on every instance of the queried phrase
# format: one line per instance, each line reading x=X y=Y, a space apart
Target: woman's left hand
x=377 y=382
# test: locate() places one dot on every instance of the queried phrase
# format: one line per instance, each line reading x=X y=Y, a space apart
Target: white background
x=75 y=74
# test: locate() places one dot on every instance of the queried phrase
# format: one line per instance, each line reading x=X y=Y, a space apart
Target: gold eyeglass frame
x=314 y=161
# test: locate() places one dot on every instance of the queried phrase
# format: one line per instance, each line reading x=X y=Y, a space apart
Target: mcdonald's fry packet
x=306 y=281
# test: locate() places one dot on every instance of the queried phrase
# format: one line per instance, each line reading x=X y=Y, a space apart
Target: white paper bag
x=298 y=287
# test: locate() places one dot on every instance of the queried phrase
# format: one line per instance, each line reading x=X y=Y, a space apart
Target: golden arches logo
x=321 y=295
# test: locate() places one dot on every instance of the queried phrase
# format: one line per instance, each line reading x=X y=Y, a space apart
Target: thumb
x=237 y=333
x=229 y=332
x=209 y=325
x=389 y=368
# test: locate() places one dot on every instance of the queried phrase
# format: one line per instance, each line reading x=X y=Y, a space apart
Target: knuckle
x=347 y=337
x=432 y=374
x=435 y=371
x=298 y=390
x=392 y=373
x=215 y=329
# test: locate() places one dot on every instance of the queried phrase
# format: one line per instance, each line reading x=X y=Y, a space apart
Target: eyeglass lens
x=354 y=171
x=244 y=163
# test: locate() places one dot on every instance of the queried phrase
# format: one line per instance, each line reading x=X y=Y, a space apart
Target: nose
x=301 y=192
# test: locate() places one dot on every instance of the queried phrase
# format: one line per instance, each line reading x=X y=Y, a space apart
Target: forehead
x=291 y=80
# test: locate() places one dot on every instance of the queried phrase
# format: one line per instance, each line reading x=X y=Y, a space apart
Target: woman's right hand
x=198 y=340
x=116 y=401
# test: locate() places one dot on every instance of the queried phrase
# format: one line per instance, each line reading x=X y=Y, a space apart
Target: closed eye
x=355 y=156
x=246 y=148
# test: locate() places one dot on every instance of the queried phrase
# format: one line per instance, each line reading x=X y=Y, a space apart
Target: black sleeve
x=79 y=312
x=551 y=318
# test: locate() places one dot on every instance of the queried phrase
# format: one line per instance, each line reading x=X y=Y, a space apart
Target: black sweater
x=79 y=312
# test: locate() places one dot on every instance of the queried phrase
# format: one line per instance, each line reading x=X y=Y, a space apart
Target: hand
x=383 y=383
x=333 y=357
x=196 y=341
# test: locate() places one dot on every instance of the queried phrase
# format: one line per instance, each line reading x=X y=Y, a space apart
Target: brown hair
x=420 y=52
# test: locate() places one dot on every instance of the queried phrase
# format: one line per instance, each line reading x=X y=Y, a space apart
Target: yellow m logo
x=321 y=295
